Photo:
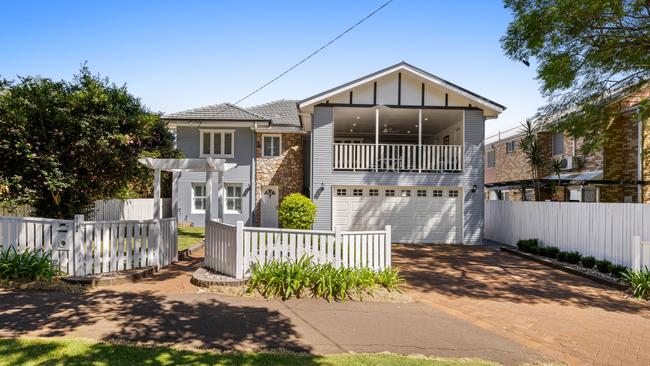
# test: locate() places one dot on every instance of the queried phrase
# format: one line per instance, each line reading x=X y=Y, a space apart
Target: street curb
x=547 y=262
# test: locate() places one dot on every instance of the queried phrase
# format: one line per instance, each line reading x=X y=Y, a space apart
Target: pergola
x=210 y=166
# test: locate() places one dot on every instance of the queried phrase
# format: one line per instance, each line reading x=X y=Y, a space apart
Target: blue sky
x=177 y=55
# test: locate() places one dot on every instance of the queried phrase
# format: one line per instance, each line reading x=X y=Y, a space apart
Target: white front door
x=269 y=206
x=416 y=214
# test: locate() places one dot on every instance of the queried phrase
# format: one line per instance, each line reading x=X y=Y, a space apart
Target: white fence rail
x=602 y=230
x=232 y=250
x=132 y=209
x=398 y=157
x=91 y=247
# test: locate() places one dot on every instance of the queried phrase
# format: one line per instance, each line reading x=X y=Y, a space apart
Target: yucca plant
x=639 y=282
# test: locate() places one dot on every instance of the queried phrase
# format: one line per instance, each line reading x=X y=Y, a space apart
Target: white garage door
x=416 y=214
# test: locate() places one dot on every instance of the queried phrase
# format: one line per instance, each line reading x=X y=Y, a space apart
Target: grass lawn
x=189 y=235
x=41 y=351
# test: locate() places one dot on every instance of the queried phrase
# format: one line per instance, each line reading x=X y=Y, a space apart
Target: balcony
x=398 y=157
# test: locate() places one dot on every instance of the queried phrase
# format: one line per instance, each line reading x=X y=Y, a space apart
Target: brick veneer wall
x=620 y=152
x=284 y=171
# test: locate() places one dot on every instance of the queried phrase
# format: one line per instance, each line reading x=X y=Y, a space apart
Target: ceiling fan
x=387 y=129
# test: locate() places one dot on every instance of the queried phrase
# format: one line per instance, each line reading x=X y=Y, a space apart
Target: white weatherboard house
x=399 y=147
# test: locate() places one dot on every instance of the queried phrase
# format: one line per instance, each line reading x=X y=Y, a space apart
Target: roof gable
x=403 y=84
x=281 y=112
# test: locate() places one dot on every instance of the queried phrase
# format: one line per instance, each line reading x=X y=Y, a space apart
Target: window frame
x=193 y=208
x=510 y=149
x=494 y=159
x=553 y=144
x=223 y=133
x=226 y=198
x=271 y=135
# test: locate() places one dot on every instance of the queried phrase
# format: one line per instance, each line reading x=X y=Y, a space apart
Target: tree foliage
x=589 y=54
x=65 y=144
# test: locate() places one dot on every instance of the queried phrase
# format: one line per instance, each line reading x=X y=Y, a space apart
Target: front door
x=269 y=206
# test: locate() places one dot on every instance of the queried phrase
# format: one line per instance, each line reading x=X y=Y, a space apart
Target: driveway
x=562 y=316
x=168 y=309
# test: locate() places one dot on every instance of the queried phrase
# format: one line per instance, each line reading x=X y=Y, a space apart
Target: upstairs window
x=217 y=143
x=491 y=159
x=511 y=146
x=558 y=144
x=271 y=145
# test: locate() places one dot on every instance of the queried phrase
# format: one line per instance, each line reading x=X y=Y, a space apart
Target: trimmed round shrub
x=588 y=262
x=552 y=252
x=573 y=257
x=541 y=251
x=616 y=270
x=603 y=266
x=296 y=212
x=562 y=256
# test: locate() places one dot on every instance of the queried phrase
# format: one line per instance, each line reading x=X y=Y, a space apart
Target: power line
x=315 y=52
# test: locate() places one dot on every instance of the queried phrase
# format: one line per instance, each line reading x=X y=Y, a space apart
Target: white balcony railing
x=398 y=157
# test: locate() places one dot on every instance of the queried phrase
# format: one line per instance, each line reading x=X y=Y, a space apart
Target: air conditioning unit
x=567 y=163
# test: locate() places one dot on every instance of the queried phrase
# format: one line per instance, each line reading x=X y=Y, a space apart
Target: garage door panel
x=414 y=219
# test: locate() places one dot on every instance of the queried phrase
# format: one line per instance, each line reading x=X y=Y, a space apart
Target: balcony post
x=376 y=162
x=419 y=140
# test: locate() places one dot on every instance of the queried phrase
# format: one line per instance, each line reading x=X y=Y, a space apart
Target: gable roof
x=281 y=112
x=217 y=112
x=417 y=71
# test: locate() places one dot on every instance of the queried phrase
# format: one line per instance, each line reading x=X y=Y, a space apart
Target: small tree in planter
x=296 y=212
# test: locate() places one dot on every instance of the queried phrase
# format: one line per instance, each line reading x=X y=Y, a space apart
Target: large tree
x=65 y=144
x=589 y=53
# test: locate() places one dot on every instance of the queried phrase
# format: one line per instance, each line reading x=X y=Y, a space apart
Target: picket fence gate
x=232 y=249
x=81 y=248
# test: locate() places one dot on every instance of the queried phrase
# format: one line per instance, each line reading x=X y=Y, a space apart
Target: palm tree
x=530 y=146
x=556 y=168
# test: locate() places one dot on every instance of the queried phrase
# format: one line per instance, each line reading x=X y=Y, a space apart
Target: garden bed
x=55 y=284
x=575 y=269
x=111 y=278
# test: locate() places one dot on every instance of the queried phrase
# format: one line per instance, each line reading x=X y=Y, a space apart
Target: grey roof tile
x=218 y=112
x=281 y=112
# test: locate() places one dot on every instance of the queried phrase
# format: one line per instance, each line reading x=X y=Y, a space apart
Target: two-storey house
x=399 y=147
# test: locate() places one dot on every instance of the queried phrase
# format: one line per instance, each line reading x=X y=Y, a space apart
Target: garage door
x=416 y=214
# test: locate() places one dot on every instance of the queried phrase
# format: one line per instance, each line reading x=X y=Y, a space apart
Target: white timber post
x=377 y=159
x=388 y=246
x=419 y=140
x=78 y=263
x=175 y=178
x=208 y=197
x=156 y=195
x=636 y=253
x=220 y=199
x=239 y=250
x=338 y=244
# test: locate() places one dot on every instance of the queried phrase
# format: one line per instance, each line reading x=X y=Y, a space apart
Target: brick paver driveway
x=562 y=316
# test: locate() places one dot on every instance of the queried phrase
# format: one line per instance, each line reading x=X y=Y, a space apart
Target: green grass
x=62 y=351
x=189 y=235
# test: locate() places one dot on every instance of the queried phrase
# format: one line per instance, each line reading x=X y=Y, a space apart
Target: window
x=198 y=197
x=422 y=192
x=271 y=145
x=357 y=192
x=217 y=143
x=341 y=192
x=373 y=192
x=491 y=158
x=453 y=193
x=436 y=193
x=389 y=193
x=233 y=198
x=558 y=144
x=406 y=193
x=511 y=146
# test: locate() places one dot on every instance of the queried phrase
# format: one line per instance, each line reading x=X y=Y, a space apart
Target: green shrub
x=528 y=245
x=616 y=270
x=639 y=282
x=286 y=279
x=296 y=212
x=603 y=265
x=588 y=262
x=28 y=265
x=562 y=256
x=552 y=252
x=573 y=257
x=541 y=251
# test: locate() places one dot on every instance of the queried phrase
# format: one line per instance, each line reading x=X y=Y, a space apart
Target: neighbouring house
x=617 y=172
x=399 y=147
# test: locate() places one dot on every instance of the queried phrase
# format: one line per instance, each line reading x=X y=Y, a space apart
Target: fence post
x=636 y=253
x=156 y=243
x=78 y=263
x=388 y=246
x=239 y=250
x=337 y=247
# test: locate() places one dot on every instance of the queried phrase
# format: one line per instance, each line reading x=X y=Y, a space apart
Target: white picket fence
x=131 y=209
x=602 y=230
x=82 y=248
x=232 y=250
